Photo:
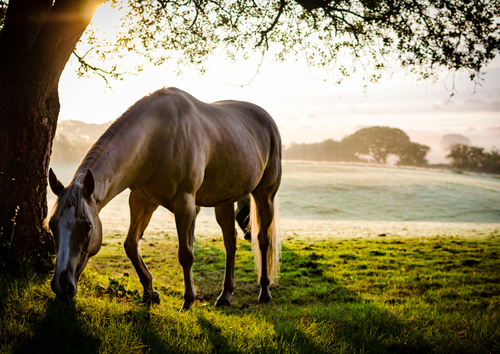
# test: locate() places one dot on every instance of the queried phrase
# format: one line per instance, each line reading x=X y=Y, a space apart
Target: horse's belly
x=227 y=185
x=231 y=173
x=212 y=196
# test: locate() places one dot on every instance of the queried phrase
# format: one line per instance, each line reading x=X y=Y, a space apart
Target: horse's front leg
x=225 y=219
x=140 y=215
x=185 y=216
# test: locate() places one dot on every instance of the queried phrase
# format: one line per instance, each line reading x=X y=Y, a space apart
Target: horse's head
x=77 y=230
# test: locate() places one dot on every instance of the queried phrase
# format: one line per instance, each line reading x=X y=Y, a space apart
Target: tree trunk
x=28 y=128
x=37 y=39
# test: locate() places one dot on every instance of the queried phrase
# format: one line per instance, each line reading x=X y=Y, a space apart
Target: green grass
x=380 y=295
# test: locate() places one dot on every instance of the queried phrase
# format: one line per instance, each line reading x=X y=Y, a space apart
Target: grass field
x=365 y=295
x=371 y=283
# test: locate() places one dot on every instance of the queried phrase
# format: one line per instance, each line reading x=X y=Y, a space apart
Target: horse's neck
x=112 y=170
x=108 y=184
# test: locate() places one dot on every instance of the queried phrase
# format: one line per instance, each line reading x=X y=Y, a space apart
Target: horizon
x=437 y=154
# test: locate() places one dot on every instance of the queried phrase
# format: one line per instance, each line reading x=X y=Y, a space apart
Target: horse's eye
x=89 y=226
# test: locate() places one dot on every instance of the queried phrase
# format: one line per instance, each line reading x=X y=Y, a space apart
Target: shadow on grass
x=218 y=342
x=311 y=313
x=60 y=331
x=314 y=311
x=323 y=316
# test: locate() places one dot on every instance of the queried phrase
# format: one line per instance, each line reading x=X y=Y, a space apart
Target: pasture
x=374 y=260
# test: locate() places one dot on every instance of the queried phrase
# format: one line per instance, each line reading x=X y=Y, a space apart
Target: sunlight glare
x=107 y=21
x=88 y=9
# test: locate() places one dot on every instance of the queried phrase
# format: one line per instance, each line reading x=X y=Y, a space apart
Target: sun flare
x=106 y=22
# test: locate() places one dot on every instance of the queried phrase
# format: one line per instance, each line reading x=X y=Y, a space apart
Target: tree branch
x=263 y=34
x=101 y=72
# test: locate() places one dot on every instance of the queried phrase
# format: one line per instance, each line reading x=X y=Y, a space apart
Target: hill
x=77 y=130
x=74 y=138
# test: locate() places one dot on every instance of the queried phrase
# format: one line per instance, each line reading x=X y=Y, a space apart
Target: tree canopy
x=421 y=36
x=413 y=154
x=474 y=158
x=377 y=142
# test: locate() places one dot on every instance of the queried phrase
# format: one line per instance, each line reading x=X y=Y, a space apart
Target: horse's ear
x=55 y=185
x=89 y=183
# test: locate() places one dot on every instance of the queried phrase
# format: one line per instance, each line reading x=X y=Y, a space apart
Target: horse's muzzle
x=63 y=286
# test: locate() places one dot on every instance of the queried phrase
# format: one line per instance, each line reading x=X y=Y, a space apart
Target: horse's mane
x=98 y=147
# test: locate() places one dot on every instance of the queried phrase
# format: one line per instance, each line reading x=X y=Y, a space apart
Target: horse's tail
x=274 y=249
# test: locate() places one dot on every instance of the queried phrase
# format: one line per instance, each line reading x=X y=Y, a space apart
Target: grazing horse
x=173 y=150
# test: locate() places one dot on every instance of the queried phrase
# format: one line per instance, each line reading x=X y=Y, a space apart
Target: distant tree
x=37 y=38
x=377 y=142
x=492 y=163
x=451 y=139
x=466 y=157
x=413 y=154
x=473 y=158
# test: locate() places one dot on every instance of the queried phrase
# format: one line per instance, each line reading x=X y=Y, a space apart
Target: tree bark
x=37 y=39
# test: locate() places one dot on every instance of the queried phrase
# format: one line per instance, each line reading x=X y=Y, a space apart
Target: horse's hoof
x=183 y=309
x=265 y=299
x=151 y=298
x=223 y=302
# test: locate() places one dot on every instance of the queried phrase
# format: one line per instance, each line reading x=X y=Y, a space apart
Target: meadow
x=421 y=277
x=349 y=200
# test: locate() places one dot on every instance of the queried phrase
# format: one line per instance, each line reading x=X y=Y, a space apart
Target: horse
x=174 y=151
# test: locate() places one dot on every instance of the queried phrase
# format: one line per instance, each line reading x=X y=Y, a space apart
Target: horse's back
x=219 y=152
x=235 y=117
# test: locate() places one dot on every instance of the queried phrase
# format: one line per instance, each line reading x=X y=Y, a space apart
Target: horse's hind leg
x=264 y=199
x=140 y=214
x=243 y=216
x=185 y=217
x=225 y=219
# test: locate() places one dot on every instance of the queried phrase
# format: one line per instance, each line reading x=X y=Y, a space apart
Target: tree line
x=474 y=158
x=371 y=144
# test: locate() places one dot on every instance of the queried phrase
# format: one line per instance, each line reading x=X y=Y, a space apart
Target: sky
x=304 y=101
